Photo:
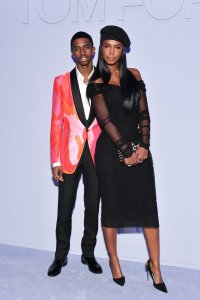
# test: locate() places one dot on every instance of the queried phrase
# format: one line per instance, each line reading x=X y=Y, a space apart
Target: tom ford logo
x=56 y=11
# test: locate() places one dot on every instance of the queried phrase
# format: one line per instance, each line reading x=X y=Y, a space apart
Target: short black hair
x=79 y=35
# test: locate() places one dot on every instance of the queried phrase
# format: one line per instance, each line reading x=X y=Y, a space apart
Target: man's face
x=82 y=51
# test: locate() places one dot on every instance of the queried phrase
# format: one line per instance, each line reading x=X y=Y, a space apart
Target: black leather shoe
x=56 y=266
x=93 y=265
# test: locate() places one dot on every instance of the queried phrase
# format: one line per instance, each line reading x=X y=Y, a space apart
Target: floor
x=23 y=277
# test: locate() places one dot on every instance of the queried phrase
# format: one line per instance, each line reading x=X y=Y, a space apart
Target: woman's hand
x=137 y=157
x=132 y=160
x=141 y=154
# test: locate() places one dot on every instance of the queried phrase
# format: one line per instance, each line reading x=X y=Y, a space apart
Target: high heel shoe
x=159 y=286
x=119 y=280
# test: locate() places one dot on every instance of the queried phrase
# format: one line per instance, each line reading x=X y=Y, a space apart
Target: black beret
x=112 y=32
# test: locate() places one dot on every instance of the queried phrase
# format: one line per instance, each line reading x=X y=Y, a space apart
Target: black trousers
x=66 y=201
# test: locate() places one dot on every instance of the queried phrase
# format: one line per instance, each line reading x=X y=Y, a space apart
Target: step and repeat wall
x=35 y=47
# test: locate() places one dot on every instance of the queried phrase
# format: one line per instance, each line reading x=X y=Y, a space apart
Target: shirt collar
x=80 y=76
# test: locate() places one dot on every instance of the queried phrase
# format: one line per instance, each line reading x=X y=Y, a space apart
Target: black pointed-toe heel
x=119 y=280
x=159 y=286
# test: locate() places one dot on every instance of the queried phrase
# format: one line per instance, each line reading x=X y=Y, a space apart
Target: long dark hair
x=129 y=84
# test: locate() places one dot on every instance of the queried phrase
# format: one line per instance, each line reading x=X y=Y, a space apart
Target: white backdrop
x=35 y=37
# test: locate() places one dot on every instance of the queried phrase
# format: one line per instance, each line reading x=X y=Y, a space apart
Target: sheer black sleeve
x=95 y=93
x=144 y=118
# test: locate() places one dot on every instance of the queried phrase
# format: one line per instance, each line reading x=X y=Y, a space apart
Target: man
x=74 y=132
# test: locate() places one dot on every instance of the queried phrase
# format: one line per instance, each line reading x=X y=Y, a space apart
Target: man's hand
x=57 y=173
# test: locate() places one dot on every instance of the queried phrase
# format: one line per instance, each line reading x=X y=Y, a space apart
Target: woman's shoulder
x=95 y=87
x=96 y=83
x=138 y=77
x=135 y=73
x=98 y=80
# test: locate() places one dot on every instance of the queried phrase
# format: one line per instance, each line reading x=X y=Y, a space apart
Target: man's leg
x=66 y=201
x=91 y=202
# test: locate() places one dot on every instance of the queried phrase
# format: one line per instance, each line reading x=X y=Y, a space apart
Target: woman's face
x=111 y=51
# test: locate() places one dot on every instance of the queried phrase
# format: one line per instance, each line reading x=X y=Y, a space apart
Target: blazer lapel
x=91 y=116
x=77 y=97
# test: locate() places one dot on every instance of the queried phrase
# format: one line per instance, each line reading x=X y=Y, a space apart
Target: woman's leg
x=153 y=245
x=110 y=237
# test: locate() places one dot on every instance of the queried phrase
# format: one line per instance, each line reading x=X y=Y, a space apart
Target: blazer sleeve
x=56 y=123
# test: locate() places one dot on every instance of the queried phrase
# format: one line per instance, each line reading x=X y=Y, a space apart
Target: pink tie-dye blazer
x=68 y=133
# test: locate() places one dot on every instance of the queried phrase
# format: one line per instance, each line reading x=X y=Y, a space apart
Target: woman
x=125 y=171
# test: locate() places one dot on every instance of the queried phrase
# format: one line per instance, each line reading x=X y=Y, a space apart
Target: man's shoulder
x=63 y=77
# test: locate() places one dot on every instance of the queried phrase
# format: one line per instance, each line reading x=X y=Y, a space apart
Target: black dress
x=127 y=193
